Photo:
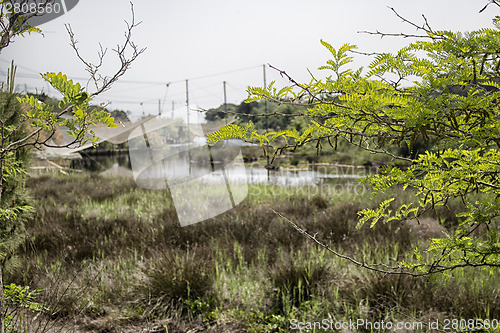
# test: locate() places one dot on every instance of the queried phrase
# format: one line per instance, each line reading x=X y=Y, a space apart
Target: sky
x=209 y=42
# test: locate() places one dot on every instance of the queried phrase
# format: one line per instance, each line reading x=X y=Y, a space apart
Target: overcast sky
x=209 y=42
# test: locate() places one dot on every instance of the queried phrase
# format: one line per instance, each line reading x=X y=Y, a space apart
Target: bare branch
x=435 y=267
x=15 y=145
x=383 y=34
x=389 y=270
x=426 y=28
x=103 y=82
x=295 y=83
x=495 y=2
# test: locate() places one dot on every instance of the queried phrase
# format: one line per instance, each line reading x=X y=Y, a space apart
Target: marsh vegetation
x=111 y=257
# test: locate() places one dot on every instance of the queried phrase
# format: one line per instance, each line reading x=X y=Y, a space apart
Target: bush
x=296 y=279
x=179 y=279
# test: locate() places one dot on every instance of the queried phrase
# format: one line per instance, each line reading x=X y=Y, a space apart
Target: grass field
x=111 y=257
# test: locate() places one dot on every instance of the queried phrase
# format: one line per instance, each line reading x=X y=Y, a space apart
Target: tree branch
x=429 y=33
x=392 y=270
x=16 y=22
x=397 y=270
x=102 y=82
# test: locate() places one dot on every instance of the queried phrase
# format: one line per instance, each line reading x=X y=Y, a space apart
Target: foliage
x=263 y=115
x=18 y=299
x=452 y=100
x=14 y=207
x=75 y=101
x=34 y=124
x=120 y=115
x=28 y=122
x=23 y=297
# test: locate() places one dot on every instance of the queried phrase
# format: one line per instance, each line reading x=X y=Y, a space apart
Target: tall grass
x=244 y=270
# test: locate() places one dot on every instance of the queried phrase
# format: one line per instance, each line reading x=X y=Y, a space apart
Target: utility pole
x=225 y=102
x=159 y=107
x=265 y=110
x=265 y=86
x=188 y=130
x=173 y=106
x=187 y=104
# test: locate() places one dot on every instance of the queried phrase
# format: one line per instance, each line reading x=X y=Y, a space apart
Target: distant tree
x=28 y=122
x=120 y=116
x=246 y=109
x=264 y=117
x=280 y=116
x=442 y=88
x=221 y=112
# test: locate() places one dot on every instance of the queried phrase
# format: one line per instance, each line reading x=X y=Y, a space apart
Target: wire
x=204 y=93
x=25 y=68
x=139 y=82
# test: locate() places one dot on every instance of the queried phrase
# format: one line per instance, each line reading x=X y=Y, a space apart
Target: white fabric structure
x=121 y=134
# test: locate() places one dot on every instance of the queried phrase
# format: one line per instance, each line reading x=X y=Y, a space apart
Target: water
x=178 y=168
x=312 y=175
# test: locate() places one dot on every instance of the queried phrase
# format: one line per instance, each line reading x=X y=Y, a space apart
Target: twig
x=429 y=33
x=102 y=82
x=337 y=254
x=495 y=2
x=399 y=270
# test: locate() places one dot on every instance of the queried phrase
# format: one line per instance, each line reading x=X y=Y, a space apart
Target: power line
x=205 y=92
x=36 y=75
x=18 y=66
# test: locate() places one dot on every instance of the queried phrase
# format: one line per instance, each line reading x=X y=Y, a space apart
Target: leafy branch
x=443 y=90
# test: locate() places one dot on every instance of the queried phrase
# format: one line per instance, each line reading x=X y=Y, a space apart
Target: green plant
x=26 y=122
x=297 y=278
x=443 y=88
x=184 y=282
x=18 y=299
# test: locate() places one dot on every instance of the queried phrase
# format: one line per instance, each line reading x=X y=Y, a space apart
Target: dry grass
x=245 y=270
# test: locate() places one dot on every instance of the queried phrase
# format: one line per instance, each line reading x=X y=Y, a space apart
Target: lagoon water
x=179 y=169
